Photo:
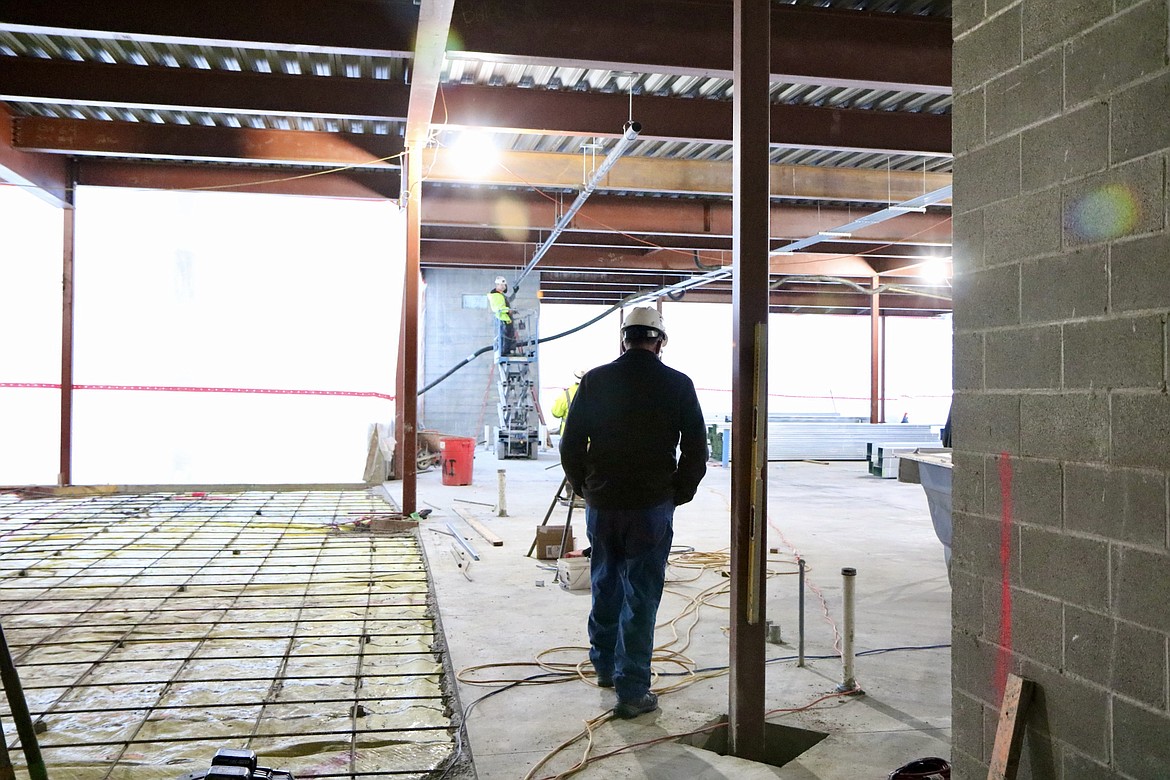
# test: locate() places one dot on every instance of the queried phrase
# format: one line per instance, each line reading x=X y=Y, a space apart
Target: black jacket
x=620 y=437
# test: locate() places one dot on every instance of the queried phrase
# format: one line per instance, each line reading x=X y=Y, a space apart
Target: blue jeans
x=627 y=568
x=505 y=338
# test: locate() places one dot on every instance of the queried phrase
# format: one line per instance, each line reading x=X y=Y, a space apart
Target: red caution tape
x=181 y=389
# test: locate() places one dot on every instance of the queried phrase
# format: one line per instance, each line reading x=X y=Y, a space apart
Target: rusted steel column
x=408 y=397
x=875 y=352
x=749 y=381
x=65 y=471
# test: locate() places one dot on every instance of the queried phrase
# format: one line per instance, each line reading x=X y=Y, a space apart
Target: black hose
x=458 y=366
x=490 y=347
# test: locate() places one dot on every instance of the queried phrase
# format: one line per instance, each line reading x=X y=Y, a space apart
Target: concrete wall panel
x=1114 y=353
x=1139 y=274
x=454 y=328
x=990 y=48
x=1025 y=226
x=1093 y=67
x=1065 y=287
x=1138 y=119
x=1048 y=23
x=987 y=299
x=1025 y=95
x=1026 y=358
x=1065 y=426
x=1068 y=147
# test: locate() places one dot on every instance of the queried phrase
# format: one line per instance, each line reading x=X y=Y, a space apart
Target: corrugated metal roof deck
x=463 y=69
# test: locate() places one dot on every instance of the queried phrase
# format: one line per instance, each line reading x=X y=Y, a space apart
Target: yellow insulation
x=151 y=630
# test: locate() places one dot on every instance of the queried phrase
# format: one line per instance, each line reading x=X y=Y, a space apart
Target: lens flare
x=511 y=218
x=1105 y=213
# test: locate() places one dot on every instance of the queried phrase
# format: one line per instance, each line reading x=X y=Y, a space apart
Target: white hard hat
x=501 y=280
x=580 y=372
x=648 y=320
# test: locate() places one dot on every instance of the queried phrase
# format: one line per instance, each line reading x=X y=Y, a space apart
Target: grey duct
x=629 y=135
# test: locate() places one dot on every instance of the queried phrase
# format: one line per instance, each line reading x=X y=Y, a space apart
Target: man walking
x=618 y=451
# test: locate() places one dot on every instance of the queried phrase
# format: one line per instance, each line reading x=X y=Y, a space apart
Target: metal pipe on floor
x=848 y=682
x=466 y=545
x=800 y=614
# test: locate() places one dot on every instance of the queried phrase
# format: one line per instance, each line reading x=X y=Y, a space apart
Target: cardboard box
x=548 y=542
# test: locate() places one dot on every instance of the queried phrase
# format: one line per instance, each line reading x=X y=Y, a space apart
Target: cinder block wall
x=1062 y=419
x=456 y=322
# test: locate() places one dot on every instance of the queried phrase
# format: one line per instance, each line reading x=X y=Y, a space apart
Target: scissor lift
x=518 y=435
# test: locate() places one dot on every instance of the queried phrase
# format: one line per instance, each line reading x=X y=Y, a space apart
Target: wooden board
x=1009 y=735
x=480 y=528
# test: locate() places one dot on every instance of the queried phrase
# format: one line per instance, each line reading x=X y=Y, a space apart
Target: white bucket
x=573 y=573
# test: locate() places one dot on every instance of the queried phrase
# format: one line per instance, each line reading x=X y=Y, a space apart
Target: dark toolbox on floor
x=232 y=764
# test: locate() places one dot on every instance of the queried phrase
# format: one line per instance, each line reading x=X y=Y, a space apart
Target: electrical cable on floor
x=668 y=653
x=671 y=737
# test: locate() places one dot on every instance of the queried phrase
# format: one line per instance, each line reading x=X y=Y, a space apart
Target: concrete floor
x=835 y=515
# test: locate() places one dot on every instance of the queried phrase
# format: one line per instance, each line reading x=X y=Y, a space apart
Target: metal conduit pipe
x=676 y=291
x=895 y=210
x=629 y=135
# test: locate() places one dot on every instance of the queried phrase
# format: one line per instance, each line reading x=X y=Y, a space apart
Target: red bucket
x=457 y=459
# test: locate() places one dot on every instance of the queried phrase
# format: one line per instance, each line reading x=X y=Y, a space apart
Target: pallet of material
x=835 y=440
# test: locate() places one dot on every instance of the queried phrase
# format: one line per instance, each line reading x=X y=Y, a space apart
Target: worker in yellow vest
x=560 y=407
x=502 y=310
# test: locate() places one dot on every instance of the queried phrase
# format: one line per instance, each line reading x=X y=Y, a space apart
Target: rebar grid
x=150 y=630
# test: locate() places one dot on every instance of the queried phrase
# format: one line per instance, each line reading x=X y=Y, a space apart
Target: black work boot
x=625 y=710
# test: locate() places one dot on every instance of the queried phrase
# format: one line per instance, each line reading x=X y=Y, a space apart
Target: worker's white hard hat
x=580 y=372
x=648 y=321
x=501 y=280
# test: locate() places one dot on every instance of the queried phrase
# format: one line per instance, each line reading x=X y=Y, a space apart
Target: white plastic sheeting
x=280 y=313
x=30 y=338
x=817 y=363
x=151 y=630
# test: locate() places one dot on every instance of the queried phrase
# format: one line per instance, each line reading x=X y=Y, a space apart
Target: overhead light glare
x=834 y=234
x=937 y=269
x=475 y=154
